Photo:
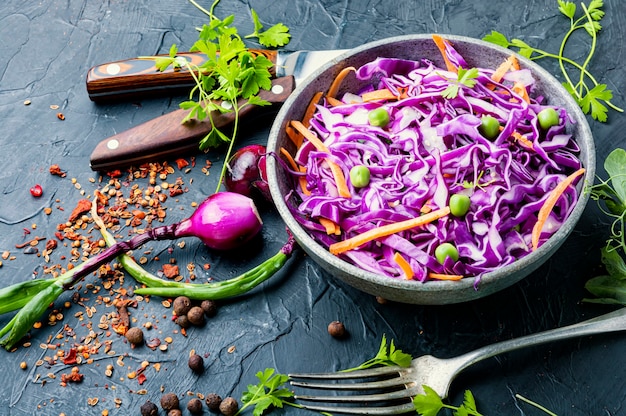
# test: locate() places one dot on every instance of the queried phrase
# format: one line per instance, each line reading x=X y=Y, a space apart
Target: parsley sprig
x=465 y=77
x=387 y=355
x=593 y=97
x=230 y=78
x=269 y=392
x=429 y=404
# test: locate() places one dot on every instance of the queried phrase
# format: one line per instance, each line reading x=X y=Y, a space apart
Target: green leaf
x=590 y=103
x=614 y=264
x=524 y=49
x=465 y=77
x=592 y=28
x=567 y=8
x=615 y=166
x=607 y=289
x=468 y=401
x=162 y=63
x=277 y=35
x=595 y=9
x=497 y=38
x=429 y=403
x=173 y=50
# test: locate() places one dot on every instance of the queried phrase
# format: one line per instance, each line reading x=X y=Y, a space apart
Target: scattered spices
x=175 y=412
x=169 y=401
x=149 y=409
x=56 y=170
x=83 y=206
x=73 y=377
x=213 y=401
x=23 y=365
x=36 y=191
x=336 y=329
x=196 y=363
x=60 y=116
x=183 y=321
x=194 y=406
x=229 y=406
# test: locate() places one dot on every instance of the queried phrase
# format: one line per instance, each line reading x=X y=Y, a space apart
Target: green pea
x=547 y=118
x=445 y=250
x=379 y=117
x=459 y=204
x=489 y=127
x=360 y=176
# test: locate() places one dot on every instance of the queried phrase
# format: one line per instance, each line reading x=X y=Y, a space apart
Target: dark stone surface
x=47 y=48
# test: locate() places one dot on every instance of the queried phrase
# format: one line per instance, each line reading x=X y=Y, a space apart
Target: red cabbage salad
x=420 y=141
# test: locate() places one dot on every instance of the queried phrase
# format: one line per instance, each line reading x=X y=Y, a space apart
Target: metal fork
x=389 y=390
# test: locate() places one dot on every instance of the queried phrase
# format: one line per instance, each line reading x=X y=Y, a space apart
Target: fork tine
x=367 y=385
x=389 y=410
x=370 y=372
x=406 y=393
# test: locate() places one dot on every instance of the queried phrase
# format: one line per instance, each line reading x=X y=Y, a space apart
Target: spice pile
x=110 y=313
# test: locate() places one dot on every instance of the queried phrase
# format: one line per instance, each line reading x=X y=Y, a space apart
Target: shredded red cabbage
x=432 y=148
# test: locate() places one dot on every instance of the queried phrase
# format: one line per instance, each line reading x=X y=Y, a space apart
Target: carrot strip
x=334 y=87
x=520 y=89
x=441 y=45
x=384 y=94
x=441 y=276
x=509 y=63
x=310 y=110
x=386 y=230
x=340 y=179
x=404 y=265
x=549 y=203
x=332 y=228
x=523 y=140
x=295 y=137
x=296 y=167
x=310 y=136
x=334 y=102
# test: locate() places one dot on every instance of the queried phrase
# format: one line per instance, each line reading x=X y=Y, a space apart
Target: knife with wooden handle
x=139 y=77
x=165 y=137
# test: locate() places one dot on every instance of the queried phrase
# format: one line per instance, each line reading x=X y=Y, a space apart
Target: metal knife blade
x=139 y=77
x=165 y=137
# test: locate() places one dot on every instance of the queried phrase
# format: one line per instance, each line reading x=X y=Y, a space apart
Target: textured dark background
x=46 y=49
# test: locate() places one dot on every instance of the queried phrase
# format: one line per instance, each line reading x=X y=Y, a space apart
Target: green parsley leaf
x=591 y=102
x=269 y=392
x=568 y=8
x=497 y=38
x=465 y=77
x=386 y=355
x=429 y=403
x=277 y=35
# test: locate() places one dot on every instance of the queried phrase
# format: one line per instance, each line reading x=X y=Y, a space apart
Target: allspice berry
x=194 y=406
x=134 y=335
x=229 y=406
x=196 y=363
x=175 y=412
x=336 y=329
x=196 y=316
x=209 y=307
x=181 y=305
x=183 y=321
x=213 y=401
x=169 y=401
x=149 y=409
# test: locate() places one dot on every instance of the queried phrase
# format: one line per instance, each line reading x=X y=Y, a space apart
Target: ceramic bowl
x=477 y=53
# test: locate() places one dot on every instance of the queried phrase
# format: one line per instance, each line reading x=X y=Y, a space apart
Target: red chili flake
x=56 y=170
x=61 y=116
x=36 y=191
x=181 y=163
x=141 y=378
x=59 y=235
x=26 y=231
x=115 y=173
x=170 y=270
x=153 y=344
x=70 y=358
x=82 y=206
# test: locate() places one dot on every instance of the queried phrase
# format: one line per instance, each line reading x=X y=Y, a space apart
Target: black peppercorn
x=169 y=401
x=194 y=406
x=181 y=305
x=196 y=363
x=149 y=409
x=196 y=316
x=229 y=406
x=213 y=401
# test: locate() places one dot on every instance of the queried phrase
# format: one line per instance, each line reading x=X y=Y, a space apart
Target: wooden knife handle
x=166 y=137
x=139 y=77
